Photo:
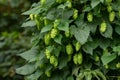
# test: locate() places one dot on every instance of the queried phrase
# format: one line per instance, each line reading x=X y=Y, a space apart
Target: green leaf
x=88 y=75
x=35 y=10
x=61 y=6
x=80 y=20
x=75 y=71
x=64 y=26
x=106 y=58
x=30 y=54
x=117 y=49
x=102 y=1
x=104 y=43
x=49 y=3
x=35 y=75
x=2 y=44
x=50 y=48
x=70 y=78
x=80 y=76
x=93 y=27
x=88 y=8
x=100 y=74
x=46 y=28
x=48 y=67
x=40 y=59
x=26 y=69
x=94 y=3
x=51 y=14
x=67 y=14
x=29 y=24
x=81 y=34
x=116 y=5
x=90 y=46
x=117 y=29
x=95 y=75
x=63 y=62
x=57 y=51
x=97 y=12
x=41 y=55
x=58 y=39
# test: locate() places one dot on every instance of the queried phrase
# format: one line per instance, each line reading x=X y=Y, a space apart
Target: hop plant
x=75 y=59
x=69 y=49
x=109 y=8
x=108 y=1
x=80 y=58
x=47 y=39
x=75 y=14
x=118 y=65
x=48 y=73
x=56 y=23
x=106 y=66
x=103 y=27
x=31 y=16
x=54 y=33
x=54 y=61
x=119 y=13
x=89 y=17
x=69 y=4
x=77 y=46
x=111 y=16
x=43 y=2
x=47 y=53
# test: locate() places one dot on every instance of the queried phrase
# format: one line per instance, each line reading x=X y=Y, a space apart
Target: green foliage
x=13 y=39
x=75 y=40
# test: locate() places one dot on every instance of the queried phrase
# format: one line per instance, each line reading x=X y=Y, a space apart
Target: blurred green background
x=14 y=39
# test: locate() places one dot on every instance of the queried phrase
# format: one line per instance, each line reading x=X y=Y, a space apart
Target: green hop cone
x=56 y=23
x=109 y=8
x=38 y=21
x=69 y=4
x=80 y=58
x=42 y=2
x=77 y=46
x=31 y=16
x=75 y=14
x=54 y=33
x=52 y=59
x=75 y=59
x=48 y=73
x=38 y=24
x=105 y=51
x=55 y=63
x=119 y=13
x=46 y=21
x=106 y=66
x=36 y=16
x=47 y=39
x=47 y=53
x=108 y=1
x=103 y=27
x=89 y=17
x=97 y=58
x=67 y=34
x=111 y=16
x=69 y=49
x=118 y=65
